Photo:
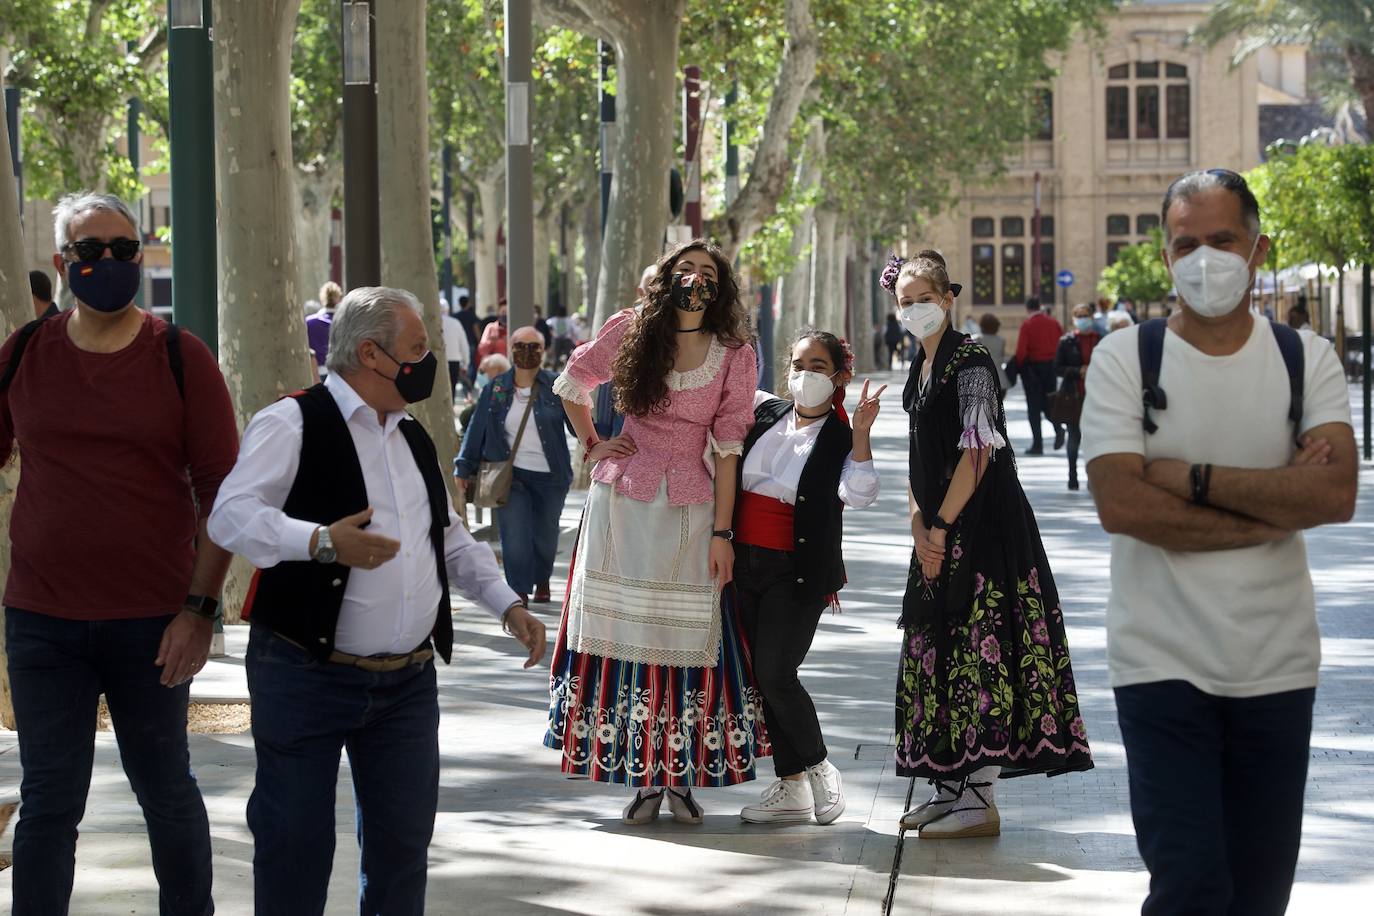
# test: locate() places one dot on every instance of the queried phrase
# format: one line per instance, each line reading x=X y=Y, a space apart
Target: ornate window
x=1013 y=272
x=1118 y=224
x=1147 y=101
x=984 y=275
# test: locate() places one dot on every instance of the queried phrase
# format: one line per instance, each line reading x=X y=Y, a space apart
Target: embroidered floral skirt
x=992 y=687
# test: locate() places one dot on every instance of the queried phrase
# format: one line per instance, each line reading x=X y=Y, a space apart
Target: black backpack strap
x=1151 y=345
x=174 y=358
x=21 y=341
x=1290 y=345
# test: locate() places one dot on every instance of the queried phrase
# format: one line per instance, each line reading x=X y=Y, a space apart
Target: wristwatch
x=727 y=533
x=324 y=546
x=201 y=606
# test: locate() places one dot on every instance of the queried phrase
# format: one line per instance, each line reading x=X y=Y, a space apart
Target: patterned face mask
x=693 y=292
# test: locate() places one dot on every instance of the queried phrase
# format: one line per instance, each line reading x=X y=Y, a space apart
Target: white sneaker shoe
x=828 y=791
x=684 y=807
x=643 y=808
x=973 y=814
x=786 y=801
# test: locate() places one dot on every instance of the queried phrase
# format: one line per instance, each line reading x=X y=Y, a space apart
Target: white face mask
x=922 y=318
x=1212 y=282
x=809 y=389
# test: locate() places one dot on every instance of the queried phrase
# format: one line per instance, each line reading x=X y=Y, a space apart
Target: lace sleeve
x=978 y=408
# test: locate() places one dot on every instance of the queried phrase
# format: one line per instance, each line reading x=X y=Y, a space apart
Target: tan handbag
x=494 y=477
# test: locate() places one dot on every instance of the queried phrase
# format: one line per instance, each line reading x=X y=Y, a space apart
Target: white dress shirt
x=387 y=610
x=773 y=467
x=456 y=349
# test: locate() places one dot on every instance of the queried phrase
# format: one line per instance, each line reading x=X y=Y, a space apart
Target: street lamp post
x=362 y=209
x=520 y=289
x=691 y=133
x=191 y=111
x=16 y=154
x=607 y=57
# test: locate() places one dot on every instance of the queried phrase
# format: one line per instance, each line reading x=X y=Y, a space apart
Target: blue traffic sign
x=1064 y=278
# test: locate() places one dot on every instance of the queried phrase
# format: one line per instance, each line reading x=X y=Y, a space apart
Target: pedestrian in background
x=893 y=337
x=518 y=418
x=127 y=431
x=985 y=686
x=1070 y=365
x=988 y=326
x=339 y=500
x=494 y=335
x=1035 y=348
x=40 y=291
x=317 y=325
x=456 y=351
x=1212 y=640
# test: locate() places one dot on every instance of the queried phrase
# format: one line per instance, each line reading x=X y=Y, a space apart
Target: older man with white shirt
x=339 y=500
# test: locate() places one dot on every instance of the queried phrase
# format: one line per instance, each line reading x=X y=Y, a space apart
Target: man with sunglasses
x=112 y=579
x=1213 y=441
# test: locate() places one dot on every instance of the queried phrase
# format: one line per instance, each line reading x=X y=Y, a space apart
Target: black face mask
x=693 y=292
x=415 y=380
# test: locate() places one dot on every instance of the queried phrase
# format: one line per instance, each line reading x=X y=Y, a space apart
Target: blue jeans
x=305 y=712
x=58 y=670
x=1216 y=795
x=529 y=528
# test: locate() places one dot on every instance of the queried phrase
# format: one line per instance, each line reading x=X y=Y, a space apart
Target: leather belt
x=382 y=663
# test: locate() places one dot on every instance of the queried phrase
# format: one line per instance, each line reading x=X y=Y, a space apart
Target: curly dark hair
x=639 y=374
x=841 y=356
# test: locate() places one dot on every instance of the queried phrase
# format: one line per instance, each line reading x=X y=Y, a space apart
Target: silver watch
x=324 y=546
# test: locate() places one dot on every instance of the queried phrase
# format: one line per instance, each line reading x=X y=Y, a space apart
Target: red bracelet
x=592 y=442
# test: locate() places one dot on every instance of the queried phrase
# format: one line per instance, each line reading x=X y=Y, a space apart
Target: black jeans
x=1075 y=440
x=780 y=630
x=1216 y=795
x=1040 y=381
x=58 y=670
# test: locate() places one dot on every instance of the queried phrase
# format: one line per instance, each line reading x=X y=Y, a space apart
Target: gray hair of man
x=1194 y=183
x=366 y=313
x=72 y=206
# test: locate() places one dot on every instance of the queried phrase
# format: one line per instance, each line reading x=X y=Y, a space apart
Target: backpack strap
x=1290 y=345
x=21 y=341
x=1151 y=346
x=174 y=358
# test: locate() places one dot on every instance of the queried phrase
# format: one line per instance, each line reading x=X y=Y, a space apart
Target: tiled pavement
x=513 y=837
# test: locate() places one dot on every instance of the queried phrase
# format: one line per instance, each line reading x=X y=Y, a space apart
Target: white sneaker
x=828 y=790
x=643 y=808
x=786 y=801
x=946 y=794
x=973 y=814
x=684 y=807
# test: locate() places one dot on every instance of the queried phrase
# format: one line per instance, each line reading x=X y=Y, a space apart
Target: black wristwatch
x=201 y=606
x=727 y=533
x=939 y=524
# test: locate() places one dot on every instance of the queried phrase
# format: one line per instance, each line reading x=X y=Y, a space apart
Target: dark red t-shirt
x=1038 y=339
x=104 y=521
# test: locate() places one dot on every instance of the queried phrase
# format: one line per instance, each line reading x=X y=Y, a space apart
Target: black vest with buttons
x=817 y=524
x=301 y=600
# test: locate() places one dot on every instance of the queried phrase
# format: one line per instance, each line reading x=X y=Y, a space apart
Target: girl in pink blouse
x=651 y=684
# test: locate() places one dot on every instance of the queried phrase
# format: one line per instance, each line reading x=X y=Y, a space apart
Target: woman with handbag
x=1071 y=365
x=515 y=460
x=651 y=684
x=985 y=687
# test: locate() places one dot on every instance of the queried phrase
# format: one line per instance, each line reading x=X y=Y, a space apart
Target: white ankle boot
x=786 y=801
x=828 y=791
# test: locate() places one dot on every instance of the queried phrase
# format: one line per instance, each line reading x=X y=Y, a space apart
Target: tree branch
x=568 y=14
x=771 y=169
x=95 y=16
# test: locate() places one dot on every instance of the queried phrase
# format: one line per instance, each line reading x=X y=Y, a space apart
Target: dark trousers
x=58 y=670
x=1075 y=441
x=1040 y=381
x=304 y=713
x=528 y=524
x=1216 y=795
x=780 y=629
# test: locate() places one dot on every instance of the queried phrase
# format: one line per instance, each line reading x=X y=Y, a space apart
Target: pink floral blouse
x=709 y=408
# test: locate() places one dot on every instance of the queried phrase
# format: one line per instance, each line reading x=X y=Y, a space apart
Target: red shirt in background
x=1038 y=339
x=104 y=521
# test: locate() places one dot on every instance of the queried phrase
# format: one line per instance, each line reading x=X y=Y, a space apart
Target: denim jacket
x=485 y=439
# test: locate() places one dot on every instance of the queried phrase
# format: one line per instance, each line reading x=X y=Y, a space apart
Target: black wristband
x=726 y=533
x=1199 y=488
x=1206 y=484
x=939 y=524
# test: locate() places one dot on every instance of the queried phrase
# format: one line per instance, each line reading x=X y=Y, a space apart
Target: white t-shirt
x=456 y=349
x=530 y=456
x=1234 y=623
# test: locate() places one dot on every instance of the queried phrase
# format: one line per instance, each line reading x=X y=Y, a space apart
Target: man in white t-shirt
x=456 y=350
x=1212 y=638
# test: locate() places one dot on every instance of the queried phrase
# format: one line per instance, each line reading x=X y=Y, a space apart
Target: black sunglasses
x=94 y=249
x=527 y=345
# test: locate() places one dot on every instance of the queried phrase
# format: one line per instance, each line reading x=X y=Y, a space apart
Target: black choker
x=805 y=417
x=689 y=330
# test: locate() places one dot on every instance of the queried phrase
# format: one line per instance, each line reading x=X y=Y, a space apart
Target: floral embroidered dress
x=985 y=677
x=651 y=682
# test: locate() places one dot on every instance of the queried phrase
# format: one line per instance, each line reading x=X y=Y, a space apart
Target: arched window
x=1148 y=100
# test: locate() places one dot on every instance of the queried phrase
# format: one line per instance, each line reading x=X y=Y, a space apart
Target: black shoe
x=1073 y=483
x=1058 y=440
x=1034 y=450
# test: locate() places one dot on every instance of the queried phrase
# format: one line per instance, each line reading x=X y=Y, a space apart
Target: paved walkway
x=513 y=837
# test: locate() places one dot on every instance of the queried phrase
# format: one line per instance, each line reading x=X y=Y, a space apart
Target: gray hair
x=495 y=361
x=366 y=313
x=73 y=205
x=1195 y=183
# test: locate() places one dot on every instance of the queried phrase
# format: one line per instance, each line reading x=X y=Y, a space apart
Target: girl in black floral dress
x=985 y=686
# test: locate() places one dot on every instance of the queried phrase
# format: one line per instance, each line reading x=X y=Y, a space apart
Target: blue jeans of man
x=1216 y=795
x=1039 y=381
x=305 y=711
x=58 y=669
x=528 y=523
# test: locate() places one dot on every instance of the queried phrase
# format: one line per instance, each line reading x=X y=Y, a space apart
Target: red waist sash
x=764 y=522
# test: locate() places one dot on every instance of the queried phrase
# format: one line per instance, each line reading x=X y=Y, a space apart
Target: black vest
x=817 y=523
x=300 y=600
